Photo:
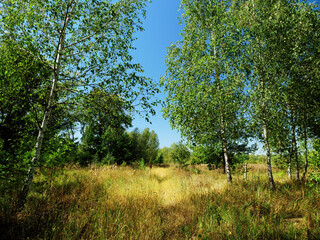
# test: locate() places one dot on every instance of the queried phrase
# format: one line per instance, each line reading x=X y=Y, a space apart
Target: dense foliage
x=243 y=70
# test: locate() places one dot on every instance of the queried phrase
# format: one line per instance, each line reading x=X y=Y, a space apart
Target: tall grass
x=163 y=203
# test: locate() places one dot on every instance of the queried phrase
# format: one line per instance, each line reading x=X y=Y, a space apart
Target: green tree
x=180 y=153
x=149 y=144
x=84 y=44
x=145 y=145
x=282 y=56
x=22 y=100
x=166 y=154
x=102 y=114
x=205 y=78
x=213 y=154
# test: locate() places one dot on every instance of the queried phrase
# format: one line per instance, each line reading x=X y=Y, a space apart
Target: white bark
x=294 y=146
x=289 y=168
x=266 y=139
x=305 y=155
x=225 y=151
x=55 y=78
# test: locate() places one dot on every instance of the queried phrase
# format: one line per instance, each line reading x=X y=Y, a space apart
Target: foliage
x=117 y=146
x=165 y=152
x=256 y=158
x=180 y=154
x=145 y=145
x=314 y=157
x=104 y=118
x=213 y=155
x=95 y=43
x=23 y=80
x=205 y=80
x=84 y=45
x=282 y=84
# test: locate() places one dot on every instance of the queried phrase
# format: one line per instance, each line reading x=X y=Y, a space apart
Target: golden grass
x=101 y=202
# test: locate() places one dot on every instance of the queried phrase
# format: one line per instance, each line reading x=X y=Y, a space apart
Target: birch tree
x=266 y=86
x=84 y=44
x=283 y=47
x=204 y=80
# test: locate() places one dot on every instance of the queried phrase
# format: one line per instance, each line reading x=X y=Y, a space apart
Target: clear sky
x=161 y=28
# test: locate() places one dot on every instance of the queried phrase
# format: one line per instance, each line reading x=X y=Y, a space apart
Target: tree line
x=243 y=70
x=246 y=70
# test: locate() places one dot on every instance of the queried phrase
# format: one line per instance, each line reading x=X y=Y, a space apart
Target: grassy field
x=101 y=202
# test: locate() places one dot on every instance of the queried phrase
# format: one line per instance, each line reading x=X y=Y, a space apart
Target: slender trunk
x=225 y=151
x=27 y=183
x=305 y=155
x=223 y=136
x=289 y=167
x=294 y=146
x=56 y=71
x=289 y=162
x=266 y=140
x=223 y=130
x=223 y=160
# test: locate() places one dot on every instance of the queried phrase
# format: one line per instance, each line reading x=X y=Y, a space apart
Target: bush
x=109 y=159
x=180 y=154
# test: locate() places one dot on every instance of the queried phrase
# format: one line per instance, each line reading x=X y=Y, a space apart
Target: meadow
x=168 y=202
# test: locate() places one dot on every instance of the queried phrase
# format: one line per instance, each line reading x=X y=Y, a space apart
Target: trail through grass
x=102 y=202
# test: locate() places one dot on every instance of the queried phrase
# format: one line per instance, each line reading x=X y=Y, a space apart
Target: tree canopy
x=84 y=45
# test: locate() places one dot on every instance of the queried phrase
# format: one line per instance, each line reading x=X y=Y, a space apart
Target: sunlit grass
x=108 y=202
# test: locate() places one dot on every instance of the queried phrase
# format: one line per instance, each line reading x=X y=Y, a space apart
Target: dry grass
x=165 y=203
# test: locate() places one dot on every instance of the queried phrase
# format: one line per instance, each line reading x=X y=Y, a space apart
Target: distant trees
x=213 y=154
x=117 y=146
x=179 y=153
x=145 y=146
x=104 y=118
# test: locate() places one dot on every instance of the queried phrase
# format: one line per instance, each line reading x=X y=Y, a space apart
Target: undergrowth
x=161 y=203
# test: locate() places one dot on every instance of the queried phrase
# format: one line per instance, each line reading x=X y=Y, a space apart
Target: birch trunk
x=225 y=151
x=305 y=155
x=289 y=163
x=36 y=156
x=289 y=168
x=56 y=71
x=266 y=139
x=294 y=146
x=223 y=130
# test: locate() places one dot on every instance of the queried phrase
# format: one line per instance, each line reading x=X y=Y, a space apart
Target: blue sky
x=161 y=28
